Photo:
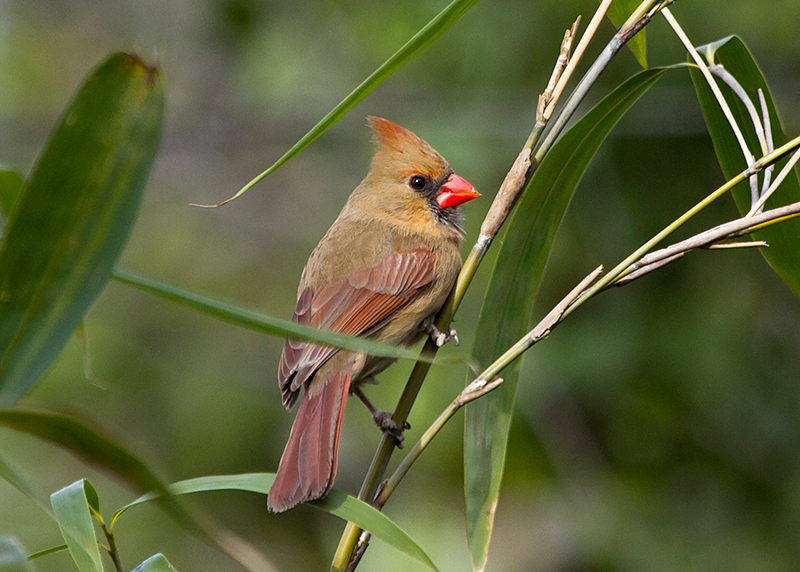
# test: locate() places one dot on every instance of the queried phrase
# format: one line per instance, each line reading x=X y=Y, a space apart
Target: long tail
x=308 y=464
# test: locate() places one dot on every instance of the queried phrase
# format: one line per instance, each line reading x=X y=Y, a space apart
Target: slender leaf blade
x=75 y=215
x=337 y=503
x=13 y=476
x=11 y=185
x=421 y=40
x=618 y=13
x=510 y=296
x=258 y=322
x=156 y=563
x=71 y=507
x=783 y=253
x=12 y=556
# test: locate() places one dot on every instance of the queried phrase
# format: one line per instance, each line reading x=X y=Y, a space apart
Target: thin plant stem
x=622 y=268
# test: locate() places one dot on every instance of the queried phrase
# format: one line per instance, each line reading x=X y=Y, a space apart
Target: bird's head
x=411 y=179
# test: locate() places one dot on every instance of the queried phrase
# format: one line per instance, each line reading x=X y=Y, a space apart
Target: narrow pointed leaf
x=48 y=551
x=98 y=450
x=415 y=45
x=75 y=214
x=618 y=13
x=509 y=300
x=783 y=253
x=12 y=475
x=155 y=563
x=259 y=322
x=71 y=508
x=336 y=503
x=11 y=184
x=12 y=556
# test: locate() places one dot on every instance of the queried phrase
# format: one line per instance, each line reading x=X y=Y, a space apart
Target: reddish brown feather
x=357 y=305
x=308 y=464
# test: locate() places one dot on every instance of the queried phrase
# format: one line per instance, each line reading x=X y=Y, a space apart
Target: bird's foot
x=438 y=337
x=383 y=419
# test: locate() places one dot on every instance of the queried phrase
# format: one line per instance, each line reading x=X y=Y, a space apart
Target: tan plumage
x=386 y=264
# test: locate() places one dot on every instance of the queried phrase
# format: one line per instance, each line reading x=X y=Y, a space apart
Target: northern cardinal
x=382 y=271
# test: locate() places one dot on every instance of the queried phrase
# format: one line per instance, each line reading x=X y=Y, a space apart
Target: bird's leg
x=439 y=338
x=383 y=419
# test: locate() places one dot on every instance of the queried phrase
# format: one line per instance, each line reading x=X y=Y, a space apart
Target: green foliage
x=783 y=239
x=71 y=507
x=337 y=503
x=75 y=215
x=618 y=13
x=156 y=563
x=11 y=184
x=510 y=296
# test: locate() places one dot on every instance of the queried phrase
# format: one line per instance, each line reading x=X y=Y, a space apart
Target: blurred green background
x=657 y=429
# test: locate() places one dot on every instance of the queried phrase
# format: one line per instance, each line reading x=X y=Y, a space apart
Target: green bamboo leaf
x=509 y=299
x=13 y=476
x=71 y=507
x=11 y=184
x=98 y=450
x=783 y=253
x=155 y=563
x=12 y=556
x=260 y=322
x=415 y=45
x=75 y=215
x=335 y=502
x=618 y=13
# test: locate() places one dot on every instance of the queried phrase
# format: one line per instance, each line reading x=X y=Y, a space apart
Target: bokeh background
x=657 y=429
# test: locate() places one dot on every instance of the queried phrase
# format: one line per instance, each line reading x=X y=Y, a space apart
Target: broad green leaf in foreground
x=100 y=451
x=75 y=215
x=509 y=300
x=415 y=45
x=618 y=13
x=71 y=507
x=12 y=556
x=335 y=502
x=783 y=253
x=155 y=563
x=11 y=184
x=259 y=322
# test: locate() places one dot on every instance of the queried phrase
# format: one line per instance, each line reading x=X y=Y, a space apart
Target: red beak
x=456 y=191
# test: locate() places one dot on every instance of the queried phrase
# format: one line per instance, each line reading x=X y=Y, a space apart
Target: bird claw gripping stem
x=438 y=337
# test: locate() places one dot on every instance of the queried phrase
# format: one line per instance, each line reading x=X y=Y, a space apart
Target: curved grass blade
x=335 y=502
x=618 y=13
x=783 y=253
x=12 y=475
x=75 y=215
x=96 y=449
x=509 y=299
x=11 y=184
x=415 y=45
x=157 y=563
x=260 y=322
x=12 y=556
x=71 y=507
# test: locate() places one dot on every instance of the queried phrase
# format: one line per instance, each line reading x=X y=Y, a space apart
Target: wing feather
x=359 y=304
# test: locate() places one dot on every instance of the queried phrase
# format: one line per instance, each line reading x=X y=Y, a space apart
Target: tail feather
x=308 y=464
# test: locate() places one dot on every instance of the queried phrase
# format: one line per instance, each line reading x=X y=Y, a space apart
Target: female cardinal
x=382 y=271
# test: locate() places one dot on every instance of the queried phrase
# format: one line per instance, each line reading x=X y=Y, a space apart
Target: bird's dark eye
x=417 y=182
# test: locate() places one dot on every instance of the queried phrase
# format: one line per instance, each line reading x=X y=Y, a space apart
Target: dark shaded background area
x=657 y=429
